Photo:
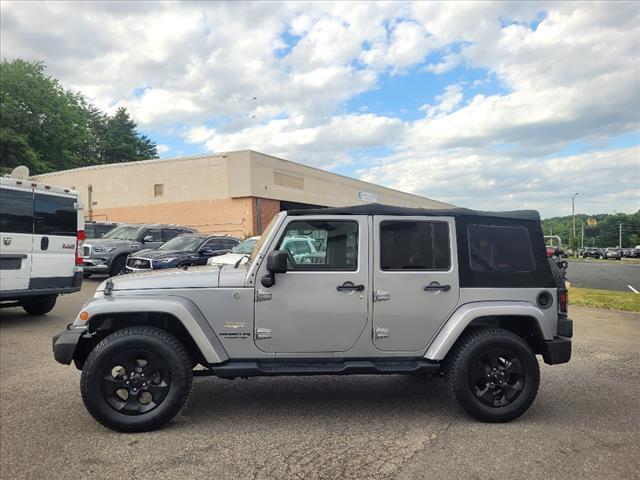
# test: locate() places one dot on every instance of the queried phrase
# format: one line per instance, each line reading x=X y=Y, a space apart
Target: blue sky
x=479 y=104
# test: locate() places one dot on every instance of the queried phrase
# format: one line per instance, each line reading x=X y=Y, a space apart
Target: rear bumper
x=65 y=343
x=557 y=351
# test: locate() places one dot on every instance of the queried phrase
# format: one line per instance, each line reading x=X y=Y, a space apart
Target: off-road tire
x=139 y=339
x=40 y=305
x=467 y=350
x=118 y=265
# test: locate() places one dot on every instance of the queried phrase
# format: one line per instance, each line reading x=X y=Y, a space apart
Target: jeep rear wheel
x=136 y=379
x=493 y=374
x=40 y=305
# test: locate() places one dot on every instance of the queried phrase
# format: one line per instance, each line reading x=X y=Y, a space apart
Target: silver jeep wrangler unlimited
x=469 y=295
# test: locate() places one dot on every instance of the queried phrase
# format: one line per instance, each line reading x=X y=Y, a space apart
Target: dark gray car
x=109 y=253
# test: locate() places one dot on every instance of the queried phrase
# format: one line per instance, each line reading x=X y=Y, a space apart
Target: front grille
x=86 y=250
x=139 y=263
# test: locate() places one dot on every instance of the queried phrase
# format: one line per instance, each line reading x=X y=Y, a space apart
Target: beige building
x=236 y=193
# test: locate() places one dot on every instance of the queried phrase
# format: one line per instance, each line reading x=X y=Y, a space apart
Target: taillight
x=563 y=301
x=79 y=240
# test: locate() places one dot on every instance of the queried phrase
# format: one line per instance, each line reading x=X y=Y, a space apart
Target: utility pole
x=90 y=198
x=573 y=213
x=582 y=241
x=620 y=236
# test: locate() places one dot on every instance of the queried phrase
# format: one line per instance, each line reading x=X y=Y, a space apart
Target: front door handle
x=436 y=287
x=350 y=286
x=44 y=243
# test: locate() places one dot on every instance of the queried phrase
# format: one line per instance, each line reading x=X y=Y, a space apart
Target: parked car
x=239 y=253
x=41 y=227
x=189 y=249
x=592 y=252
x=467 y=294
x=612 y=252
x=98 y=229
x=109 y=253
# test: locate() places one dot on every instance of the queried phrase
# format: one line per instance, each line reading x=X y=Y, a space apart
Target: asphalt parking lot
x=604 y=275
x=584 y=424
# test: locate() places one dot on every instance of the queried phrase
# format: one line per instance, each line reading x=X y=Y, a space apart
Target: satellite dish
x=20 y=172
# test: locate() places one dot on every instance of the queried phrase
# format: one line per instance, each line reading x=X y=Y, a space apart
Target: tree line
x=606 y=231
x=48 y=128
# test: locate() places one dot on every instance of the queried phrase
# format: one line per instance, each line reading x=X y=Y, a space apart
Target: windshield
x=245 y=247
x=125 y=232
x=184 y=242
x=263 y=237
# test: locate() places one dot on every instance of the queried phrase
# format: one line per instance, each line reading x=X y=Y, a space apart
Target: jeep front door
x=320 y=303
x=415 y=280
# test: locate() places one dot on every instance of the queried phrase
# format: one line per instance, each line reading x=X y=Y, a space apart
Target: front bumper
x=65 y=344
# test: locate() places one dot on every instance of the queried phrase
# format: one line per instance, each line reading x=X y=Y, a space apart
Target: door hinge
x=382 y=332
x=381 y=296
x=263 y=333
x=263 y=295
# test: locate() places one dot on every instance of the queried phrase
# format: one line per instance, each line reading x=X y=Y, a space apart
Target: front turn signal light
x=84 y=316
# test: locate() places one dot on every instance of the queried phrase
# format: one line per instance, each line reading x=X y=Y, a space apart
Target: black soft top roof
x=379 y=209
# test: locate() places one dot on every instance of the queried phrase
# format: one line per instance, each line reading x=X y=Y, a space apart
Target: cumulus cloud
x=278 y=77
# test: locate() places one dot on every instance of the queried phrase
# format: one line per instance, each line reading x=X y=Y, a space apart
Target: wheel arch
x=176 y=315
x=521 y=318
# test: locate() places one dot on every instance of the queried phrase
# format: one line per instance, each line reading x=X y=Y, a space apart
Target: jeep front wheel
x=493 y=374
x=136 y=379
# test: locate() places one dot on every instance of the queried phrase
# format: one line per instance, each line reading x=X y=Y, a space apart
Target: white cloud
x=181 y=66
x=162 y=149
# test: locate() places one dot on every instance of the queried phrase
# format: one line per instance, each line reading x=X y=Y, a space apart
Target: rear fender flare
x=463 y=316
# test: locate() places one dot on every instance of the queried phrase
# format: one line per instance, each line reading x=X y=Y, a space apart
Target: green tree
x=48 y=128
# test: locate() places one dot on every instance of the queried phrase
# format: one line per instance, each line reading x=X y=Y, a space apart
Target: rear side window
x=16 y=211
x=495 y=248
x=169 y=234
x=321 y=245
x=409 y=245
x=55 y=215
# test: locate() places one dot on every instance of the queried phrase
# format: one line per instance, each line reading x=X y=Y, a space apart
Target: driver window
x=155 y=234
x=321 y=245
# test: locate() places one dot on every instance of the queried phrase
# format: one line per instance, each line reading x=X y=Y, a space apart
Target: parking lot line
x=633 y=289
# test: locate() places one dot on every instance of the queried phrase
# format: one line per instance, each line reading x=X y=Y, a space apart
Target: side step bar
x=346 y=367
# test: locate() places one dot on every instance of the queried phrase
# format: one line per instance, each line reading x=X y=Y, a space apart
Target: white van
x=41 y=231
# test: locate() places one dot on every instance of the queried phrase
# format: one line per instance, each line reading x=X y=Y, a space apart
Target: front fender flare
x=181 y=308
x=463 y=316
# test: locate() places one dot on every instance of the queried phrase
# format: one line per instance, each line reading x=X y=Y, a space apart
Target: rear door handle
x=350 y=286
x=436 y=287
x=44 y=243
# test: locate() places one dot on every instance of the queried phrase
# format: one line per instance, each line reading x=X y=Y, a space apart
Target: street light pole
x=573 y=213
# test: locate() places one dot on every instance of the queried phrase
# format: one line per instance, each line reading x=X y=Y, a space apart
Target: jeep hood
x=175 y=278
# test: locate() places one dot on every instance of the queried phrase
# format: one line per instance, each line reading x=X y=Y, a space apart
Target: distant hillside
x=607 y=229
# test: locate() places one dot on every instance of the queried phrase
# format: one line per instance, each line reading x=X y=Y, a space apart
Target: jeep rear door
x=415 y=280
x=320 y=304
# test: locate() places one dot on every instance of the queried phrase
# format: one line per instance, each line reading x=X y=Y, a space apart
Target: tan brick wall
x=226 y=216
x=268 y=209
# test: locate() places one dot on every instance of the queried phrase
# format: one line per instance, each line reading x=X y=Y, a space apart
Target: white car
x=239 y=253
x=41 y=230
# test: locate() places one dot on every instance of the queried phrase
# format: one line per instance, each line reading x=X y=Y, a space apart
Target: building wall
x=264 y=209
x=229 y=216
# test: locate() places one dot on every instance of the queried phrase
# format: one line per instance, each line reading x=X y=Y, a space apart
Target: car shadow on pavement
x=16 y=316
x=321 y=396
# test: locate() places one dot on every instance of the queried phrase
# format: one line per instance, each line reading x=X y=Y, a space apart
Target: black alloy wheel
x=493 y=374
x=136 y=379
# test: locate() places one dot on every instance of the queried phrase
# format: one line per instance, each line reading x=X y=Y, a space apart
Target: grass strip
x=610 y=300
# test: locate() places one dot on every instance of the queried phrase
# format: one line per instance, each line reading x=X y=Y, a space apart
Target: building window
x=158 y=190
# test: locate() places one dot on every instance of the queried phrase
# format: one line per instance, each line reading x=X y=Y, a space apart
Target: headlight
x=166 y=260
x=104 y=249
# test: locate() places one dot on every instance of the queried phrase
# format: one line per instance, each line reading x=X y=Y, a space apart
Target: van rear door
x=16 y=231
x=54 y=241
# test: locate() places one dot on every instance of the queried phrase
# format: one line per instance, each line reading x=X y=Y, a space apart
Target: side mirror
x=276 y=263
x=206 y=251
x=147 y=238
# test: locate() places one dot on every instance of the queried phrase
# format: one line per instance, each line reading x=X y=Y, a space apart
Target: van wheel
x=40 y=305
x=118 y=266
x=86 y=275
x=136 y=379
x=493 y=374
